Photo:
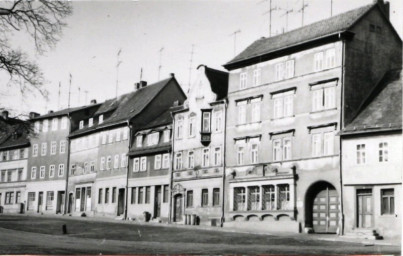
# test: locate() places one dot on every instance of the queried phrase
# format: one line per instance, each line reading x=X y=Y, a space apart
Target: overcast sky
x=97 y=30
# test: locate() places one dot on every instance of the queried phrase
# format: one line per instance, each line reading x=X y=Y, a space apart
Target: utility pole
x=68 y=103
x=302 y=10
x=118 y=62
x=270 y=12
x=58 y=96
x=190 y=65
x=234 y=34
x=160 y=63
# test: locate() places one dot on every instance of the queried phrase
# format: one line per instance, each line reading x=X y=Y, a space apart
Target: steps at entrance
x=369 y=234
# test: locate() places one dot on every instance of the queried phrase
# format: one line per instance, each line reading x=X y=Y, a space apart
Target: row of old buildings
x=301 y=134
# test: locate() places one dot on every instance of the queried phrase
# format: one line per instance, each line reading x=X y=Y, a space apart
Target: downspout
x=127 y=169
x=341 y=127
x=171 y=169
x=67 y=169
x=224 y=164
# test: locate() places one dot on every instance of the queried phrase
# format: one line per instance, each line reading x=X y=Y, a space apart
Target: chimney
x=136 y=86
x=94 y=101
x=176 y=103
x=5 y=114
x=172 y=75
x=50 y=112
x=385 y=7
x=32 y=115
x=143 y=84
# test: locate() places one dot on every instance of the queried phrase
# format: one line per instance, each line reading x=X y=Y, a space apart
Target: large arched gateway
x=322 y=208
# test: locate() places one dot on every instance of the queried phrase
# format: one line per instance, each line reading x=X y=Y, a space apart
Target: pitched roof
x=164 y=119
x=63 y=112
x=13 y=133
x=382 y=111
x=320 y=29
x=218 y=81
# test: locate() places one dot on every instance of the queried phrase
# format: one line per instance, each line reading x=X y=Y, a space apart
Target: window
x=192 y=128
x=269 y=197
x=92 y=166
x=37 y=126
x=254 y=154
x=64 y=123
x=90 y=122
x=54 y=124
x=286 y=148
x=18 y=197
x=123 y=160
x=166 y=194
x=330 y=60
x=328 y=143
x=279 y=71
x=42 y=172
x=178 y=161
x=189 y=198
x=241 y=105
x=204 y=201
x=118 y=134
x=139 y=141
x=216 y=197
x=43 y=149
x=388 y=201
x=116 y=162
x=53 y=146
x=316 y=144
x=206 y=121
x=240 y=155
x=102 y=165
x=81 y=124
x=383 y=152
x=282 y=149
x=141 y=195
x=126 y=131
x=16 y=155
x=104 y=134
x=256 y=109
x=206 y=157
x=61 y=170
x=73 y=169
x=108 y=162
x=110 y=136
x=52 y=169
x=3 y=176
x=86 y=168
x=217 y=121
x=239 y=199
x=179 y=128
x=289 y=69
x=217 y=156
x=243 y=77
x=167 y=135
x=45 y=125
x=133 y=196
x=106 y=195
x=284 y=197
x=50 y=197
x=152 y=139
x=277 y=150
x=33 y=173
x=254 y=200
x=283 y=104
x=9 y=173
x=157 y=162
x=62 y=149
x=318 y=61
x=165 y=161
x=113 y=194
x=7 y=154
x=100 y=196
x=100 y=119
x=19 y=174
x=143 y=164
x=1 y=157
x=361 y=154
x=148 y=194
x=256 y=77
x=9 y=198
x=136 y=165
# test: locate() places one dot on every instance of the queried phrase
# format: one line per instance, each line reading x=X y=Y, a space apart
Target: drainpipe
x=67 y=169
x=224 y=163
x=340 y=141
x=171 y=169
x=128 y=168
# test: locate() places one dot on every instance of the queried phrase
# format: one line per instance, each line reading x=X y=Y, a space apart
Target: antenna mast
x=331 y=8
x=58 y=97
x=160 y=65
x=86 y=93
x=234 y=34
x=118 y=62
x=79 y=96
x=270 y=11
x=68 y=103
x=141 y=74
x=190 y=64
x=302 y=10
x=286 y=17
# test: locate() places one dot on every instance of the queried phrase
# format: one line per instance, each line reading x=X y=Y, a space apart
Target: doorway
x=178 y=200
x=121 y=202
x=70 y=203
x=60 y=202
x=364 y=208
x=157 y=202
x=40 y=201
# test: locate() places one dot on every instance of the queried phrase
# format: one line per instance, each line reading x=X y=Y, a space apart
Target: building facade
x=198 y=151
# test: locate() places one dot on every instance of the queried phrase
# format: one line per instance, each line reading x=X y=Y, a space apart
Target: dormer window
x=139 y=140
x=81 y=125
x=45 y=125
x=91 y=122
x=101 y=119
x=152 y=139
x=54 y=124
x=167 y=135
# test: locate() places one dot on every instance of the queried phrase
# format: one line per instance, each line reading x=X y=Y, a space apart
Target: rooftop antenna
x=302 y=10
x=79 y=96
x=58 y=96
x=118 y=62
x=270 y=15
x=160 y=65
x=68 y=103
x=331 y=8
x=234 y=34
x=141 y=74
x=286 y=18
x=86 y=93
x=190 y=64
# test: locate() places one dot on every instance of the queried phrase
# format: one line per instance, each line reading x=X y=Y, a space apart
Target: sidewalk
x=303 y=236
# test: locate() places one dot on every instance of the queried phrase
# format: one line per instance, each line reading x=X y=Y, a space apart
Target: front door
x=88 y=199
x=60 y=202
x=364 y=207
x=178 y=208
x=157 y=202
x=40 y=201
x=325 y=212
x=82 y=202
x=70 y=203
x=121 y=202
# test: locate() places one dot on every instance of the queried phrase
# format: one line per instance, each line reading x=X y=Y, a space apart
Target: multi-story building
x=372 y=163
x=48 y=159
x=14 y=146
x=288 y=97
x=149 y=176
x=198 y=150
x=99 y=166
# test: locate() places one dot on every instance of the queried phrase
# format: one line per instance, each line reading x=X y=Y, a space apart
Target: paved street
x=43 y=235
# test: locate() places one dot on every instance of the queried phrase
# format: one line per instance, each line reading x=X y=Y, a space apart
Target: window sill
x=282 y=118
x=323 y=110
x=252 y=123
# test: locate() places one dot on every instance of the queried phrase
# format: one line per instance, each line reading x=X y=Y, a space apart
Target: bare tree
x=43 y=21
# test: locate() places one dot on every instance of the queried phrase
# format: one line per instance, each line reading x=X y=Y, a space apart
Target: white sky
x=97 y=29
